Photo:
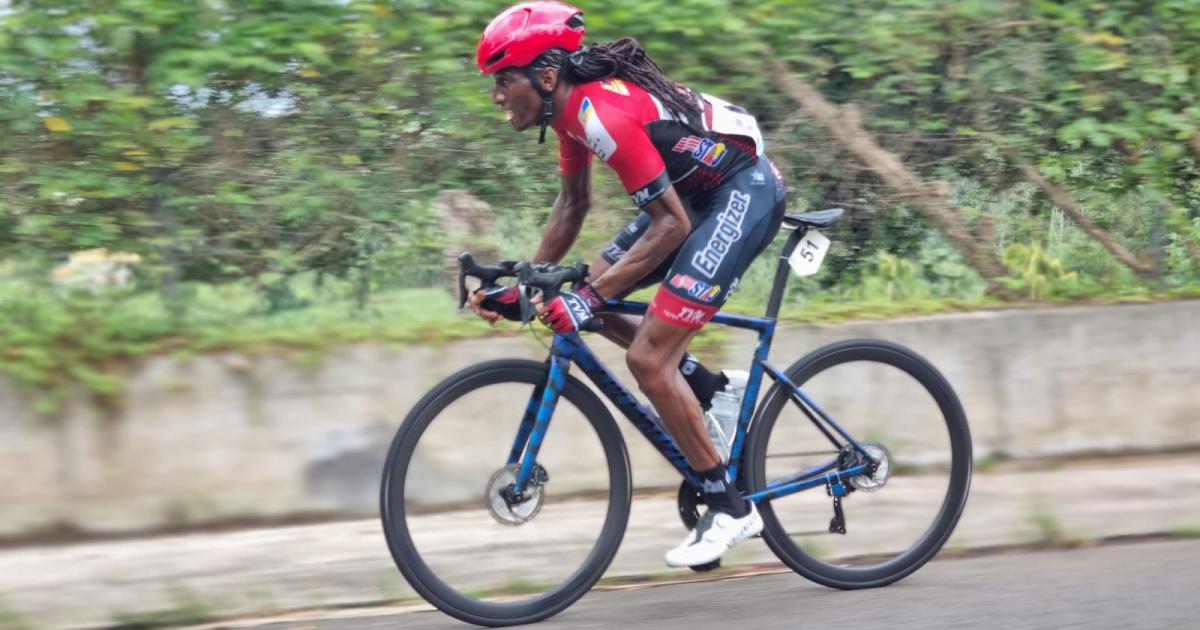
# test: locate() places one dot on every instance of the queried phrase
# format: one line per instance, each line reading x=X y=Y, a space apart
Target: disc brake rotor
x=516 y=513
x=876 y=480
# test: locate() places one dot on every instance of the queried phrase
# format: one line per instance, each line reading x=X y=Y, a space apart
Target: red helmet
x=523 y=31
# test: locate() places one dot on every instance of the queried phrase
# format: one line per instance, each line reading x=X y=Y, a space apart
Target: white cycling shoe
x=714 y=534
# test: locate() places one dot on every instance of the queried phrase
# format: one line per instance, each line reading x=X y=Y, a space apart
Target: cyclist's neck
x=561 y=96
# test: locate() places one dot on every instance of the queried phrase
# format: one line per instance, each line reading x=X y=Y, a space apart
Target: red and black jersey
x=649 y=148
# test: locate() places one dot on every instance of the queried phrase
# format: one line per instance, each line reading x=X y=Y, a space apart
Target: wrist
x=591 y=296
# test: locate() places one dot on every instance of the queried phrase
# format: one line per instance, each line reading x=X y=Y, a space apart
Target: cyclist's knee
x=649 y=371
x=638 y=361
x=655 y=352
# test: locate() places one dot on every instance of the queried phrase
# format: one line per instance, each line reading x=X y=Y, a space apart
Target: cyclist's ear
x=548 y=78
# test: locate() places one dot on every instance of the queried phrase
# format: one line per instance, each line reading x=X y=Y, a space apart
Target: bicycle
x=515 y=491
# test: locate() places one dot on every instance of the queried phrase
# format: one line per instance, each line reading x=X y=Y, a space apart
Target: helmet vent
x=496 y=57
x=575 y=21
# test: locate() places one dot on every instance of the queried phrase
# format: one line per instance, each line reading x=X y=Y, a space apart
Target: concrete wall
x=228 y=436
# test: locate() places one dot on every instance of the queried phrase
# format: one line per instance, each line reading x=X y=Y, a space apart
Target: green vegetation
x=1187 y=530
x=185 y=609
x=13 y=620
x=1048 y=530
x=274 y=165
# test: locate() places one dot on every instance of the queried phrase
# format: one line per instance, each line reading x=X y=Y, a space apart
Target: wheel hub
x=499 y=501
x=883 y=468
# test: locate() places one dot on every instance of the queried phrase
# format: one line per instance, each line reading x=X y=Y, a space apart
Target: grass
x=813 y=547
x=988 y=463
x=185 y=608
x=1186 y=530
x=513 y=586
x=1047 y=528
x=56 y=341
x=10 y=619
x=957 y=544
x=390 y=586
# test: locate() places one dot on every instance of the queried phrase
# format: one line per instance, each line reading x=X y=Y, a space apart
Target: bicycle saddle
x=816 y=219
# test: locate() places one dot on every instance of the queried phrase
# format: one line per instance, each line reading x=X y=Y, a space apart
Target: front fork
x=533 y=427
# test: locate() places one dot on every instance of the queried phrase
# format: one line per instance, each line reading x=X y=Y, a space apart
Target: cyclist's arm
x=621 y=139
x=669 y=227
x=566 y=219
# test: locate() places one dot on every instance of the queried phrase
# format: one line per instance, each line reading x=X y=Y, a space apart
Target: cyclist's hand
x=570 y=311
x=496 y=303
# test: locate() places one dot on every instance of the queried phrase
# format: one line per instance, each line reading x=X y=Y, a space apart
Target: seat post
x=781 y=271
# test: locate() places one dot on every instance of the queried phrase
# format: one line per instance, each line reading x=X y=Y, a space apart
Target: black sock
x=720 y=493
x=703 y=383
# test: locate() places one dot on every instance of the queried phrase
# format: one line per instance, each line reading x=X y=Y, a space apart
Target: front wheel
x=460 y=540
x=907 y=417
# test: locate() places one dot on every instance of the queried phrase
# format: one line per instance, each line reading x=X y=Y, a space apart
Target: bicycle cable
x=536 y=336
x=529 y=324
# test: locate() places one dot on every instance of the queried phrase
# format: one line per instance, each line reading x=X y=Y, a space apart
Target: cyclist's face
x=515 y=95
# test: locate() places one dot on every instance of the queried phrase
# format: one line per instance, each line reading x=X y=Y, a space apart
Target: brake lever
x=528 y=310
x=462 y=287
x=582 y=268
x=487 y=274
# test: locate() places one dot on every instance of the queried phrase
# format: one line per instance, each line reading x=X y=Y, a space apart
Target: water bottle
x=721 y=419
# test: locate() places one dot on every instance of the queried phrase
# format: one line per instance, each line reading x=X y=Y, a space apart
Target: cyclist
x=709 y=201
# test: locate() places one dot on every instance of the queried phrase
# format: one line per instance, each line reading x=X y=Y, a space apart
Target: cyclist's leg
x=620 y=329
x=659 y=344
x=744 y=214
x=657 y=347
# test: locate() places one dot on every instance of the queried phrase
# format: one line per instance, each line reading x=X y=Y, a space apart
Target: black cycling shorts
x=731 y=225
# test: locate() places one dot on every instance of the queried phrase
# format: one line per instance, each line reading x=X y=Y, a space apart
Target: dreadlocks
x=622 y=59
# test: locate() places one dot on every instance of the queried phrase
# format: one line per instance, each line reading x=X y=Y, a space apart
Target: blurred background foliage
x=273 y=163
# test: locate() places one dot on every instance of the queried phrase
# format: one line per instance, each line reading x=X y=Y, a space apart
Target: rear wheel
x=453 y=529
x=908 y=419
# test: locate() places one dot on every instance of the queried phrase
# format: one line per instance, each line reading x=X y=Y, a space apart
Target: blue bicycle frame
x=571 y=348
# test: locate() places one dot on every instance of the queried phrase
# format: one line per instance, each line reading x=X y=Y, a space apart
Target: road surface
x=1143 y=586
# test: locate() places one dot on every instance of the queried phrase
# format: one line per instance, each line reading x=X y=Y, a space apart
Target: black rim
x=408 y=559
x=932 y=539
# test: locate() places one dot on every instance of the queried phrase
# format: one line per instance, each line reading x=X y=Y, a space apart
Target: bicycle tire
x=935 y=536
x=392 y=505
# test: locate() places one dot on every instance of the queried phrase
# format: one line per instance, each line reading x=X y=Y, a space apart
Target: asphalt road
x=1147 y=585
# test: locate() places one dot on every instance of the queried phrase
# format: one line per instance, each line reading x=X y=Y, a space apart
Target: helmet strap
x=547 y=114
x=547 y=101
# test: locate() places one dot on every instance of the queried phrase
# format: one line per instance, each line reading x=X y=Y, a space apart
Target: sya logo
x=709 y=152
x=729 y=230
x=696 y=288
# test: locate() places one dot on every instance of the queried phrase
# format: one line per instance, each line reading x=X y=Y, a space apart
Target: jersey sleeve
x=572 y=155
x=624 y=144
